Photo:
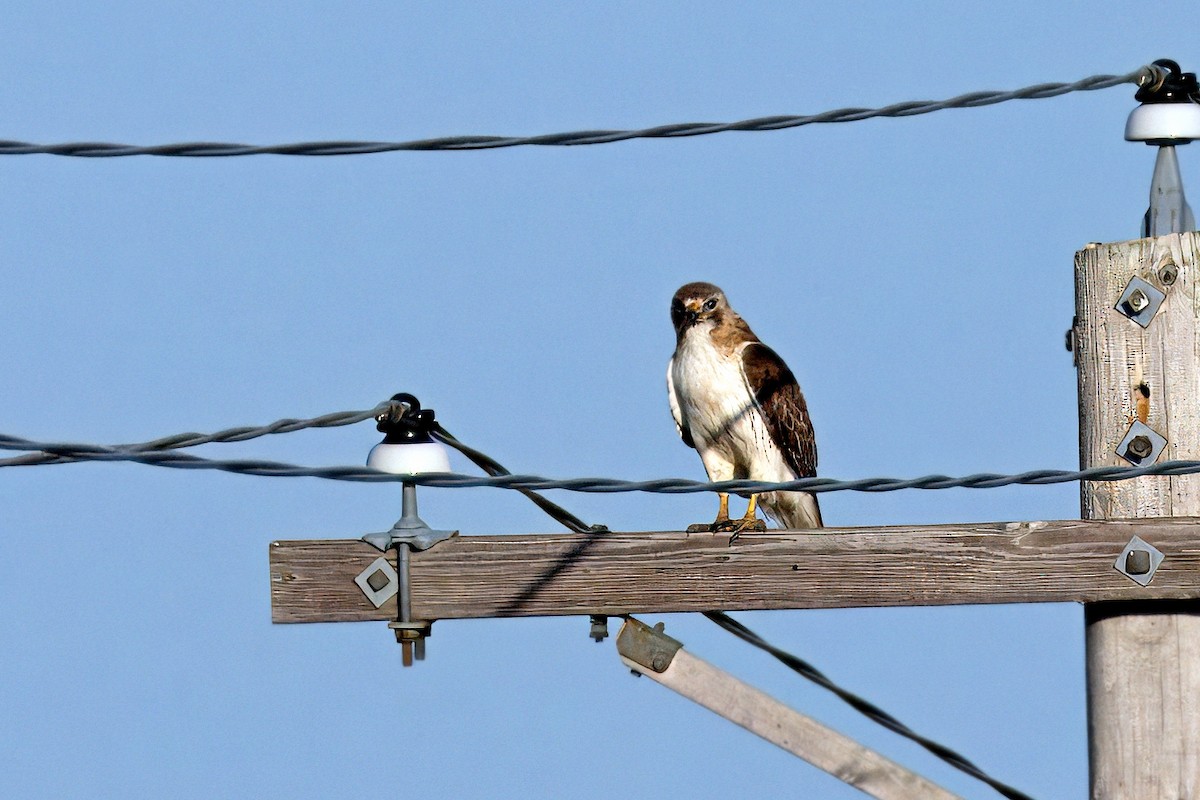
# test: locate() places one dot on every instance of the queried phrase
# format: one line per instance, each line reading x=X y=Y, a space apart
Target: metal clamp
x=647 y=646
x=379 y=582
x=599 y=627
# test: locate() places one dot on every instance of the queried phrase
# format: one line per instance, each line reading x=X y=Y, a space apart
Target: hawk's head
x=698 y=303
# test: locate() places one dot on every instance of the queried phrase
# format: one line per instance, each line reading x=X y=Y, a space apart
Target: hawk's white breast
x=713 y=401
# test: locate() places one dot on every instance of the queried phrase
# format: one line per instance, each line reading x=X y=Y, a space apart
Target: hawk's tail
x=792 y=510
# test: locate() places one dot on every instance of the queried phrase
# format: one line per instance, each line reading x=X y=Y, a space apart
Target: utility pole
x=1137 y=340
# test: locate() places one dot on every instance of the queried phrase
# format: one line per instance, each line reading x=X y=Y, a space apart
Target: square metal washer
x=1156 y=558
x=1127 y=303
x=384 y=593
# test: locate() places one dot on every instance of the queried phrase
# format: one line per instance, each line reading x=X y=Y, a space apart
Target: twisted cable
x=1146 y=75
x=46 y=453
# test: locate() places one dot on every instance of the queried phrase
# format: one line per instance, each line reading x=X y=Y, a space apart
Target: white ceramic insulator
x=1164 y=122
x=409 y=459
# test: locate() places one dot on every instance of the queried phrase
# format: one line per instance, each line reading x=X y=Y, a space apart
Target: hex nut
x=1137 y=301
x=1139 y=448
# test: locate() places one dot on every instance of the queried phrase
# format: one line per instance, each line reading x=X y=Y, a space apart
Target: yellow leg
x=750 y=522
x=751 y=508
x=723 y=508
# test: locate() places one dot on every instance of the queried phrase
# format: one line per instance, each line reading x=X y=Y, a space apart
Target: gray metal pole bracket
x=418 y=538
x=647 y=646
x=410 y=529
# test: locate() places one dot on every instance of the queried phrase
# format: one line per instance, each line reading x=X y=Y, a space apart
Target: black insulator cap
x=1178 y=87
x=406 y=422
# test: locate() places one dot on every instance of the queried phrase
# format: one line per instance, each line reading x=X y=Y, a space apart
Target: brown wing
x=775 y=388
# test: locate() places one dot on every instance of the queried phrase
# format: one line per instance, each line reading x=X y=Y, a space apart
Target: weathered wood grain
x=615 y=573
x=1143 y=659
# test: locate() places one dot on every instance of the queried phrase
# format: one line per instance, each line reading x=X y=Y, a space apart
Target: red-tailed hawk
x=739 y=405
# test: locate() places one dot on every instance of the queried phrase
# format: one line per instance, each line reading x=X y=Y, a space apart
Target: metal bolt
x=1168 y=274
x=412 y=641
x=378 y=580
x=1137 y=562
x=1139 y=447
x=599 y=630
x=1137 y=301
x=660 y=663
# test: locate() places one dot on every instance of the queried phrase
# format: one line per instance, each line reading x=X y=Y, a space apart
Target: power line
x=493 y=467
x=46 y=453
x=1141 y=76
x=85 y=452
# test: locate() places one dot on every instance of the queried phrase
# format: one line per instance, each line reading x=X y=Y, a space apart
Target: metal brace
x=410 y=529
x=409 y=533
x=647 y=646
x=1139 y=561
x=599 y=627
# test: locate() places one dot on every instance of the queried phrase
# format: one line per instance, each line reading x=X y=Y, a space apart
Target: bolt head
x=1138 y=301
x=660 y=663
x=1140 y=447
x=1137 y=562
x=1168 y=274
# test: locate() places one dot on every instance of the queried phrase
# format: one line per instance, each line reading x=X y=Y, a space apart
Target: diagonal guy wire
x=1140 y=76
x=868 y=709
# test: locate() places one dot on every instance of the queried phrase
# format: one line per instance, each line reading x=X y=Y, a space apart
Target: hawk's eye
x=710 y=304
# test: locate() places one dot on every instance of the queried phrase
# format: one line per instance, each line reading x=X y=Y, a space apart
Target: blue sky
x=916 y=274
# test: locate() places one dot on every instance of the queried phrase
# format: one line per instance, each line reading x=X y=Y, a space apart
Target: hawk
x=739 y=406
